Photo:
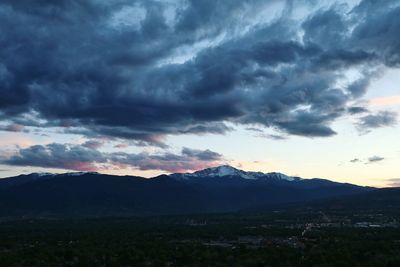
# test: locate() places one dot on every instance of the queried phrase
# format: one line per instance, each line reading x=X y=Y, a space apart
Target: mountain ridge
x=220 y=189
x=226 y=171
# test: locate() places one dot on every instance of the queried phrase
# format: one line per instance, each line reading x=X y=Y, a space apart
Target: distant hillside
x=222 y=189
x=383 y=198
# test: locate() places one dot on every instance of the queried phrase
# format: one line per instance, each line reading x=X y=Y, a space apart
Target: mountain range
x=219 y=189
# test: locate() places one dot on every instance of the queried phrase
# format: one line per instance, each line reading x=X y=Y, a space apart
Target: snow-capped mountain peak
x=79 y=173
x=224 y=170
x=229 y=171
x=220 y=171
x=48 y=175
x=42 y=174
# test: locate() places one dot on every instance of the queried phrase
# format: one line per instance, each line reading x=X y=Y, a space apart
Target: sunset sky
x=160 y=86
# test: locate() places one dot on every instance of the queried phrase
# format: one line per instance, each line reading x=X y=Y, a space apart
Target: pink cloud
x=81 y=166
x=15 y=127
x=93 y=144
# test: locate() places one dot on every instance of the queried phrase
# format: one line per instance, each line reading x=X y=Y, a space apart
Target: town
x=276 y=238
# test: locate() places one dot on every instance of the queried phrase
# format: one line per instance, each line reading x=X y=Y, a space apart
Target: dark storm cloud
x=86 y=157
x=115 y=68
x=140 y=138
x=215 y=128
x=378 y=120
x=380 y=32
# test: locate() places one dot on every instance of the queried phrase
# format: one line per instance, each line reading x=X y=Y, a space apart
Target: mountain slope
x=381 y=199
x=97 y=194
x=221 y=189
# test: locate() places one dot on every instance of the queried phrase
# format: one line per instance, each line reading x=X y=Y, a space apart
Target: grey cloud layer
x=373 y=121
x=87 y=158
x=84 y=63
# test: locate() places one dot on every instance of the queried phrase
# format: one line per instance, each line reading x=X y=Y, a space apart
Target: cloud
x=253 y=129
x=71 y=157
x=14 y=127
x=187 y=160
x=205 y=155
x=378 y=120
x=260 y=133
x=88 y=158
x=274 y=136
x=357 y=110
x=93 y=144
x=375 y=159
x=393 y=182
x=121 y=145
x=190 y=66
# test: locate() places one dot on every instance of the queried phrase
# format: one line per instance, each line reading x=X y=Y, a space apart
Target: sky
x=307 y=88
